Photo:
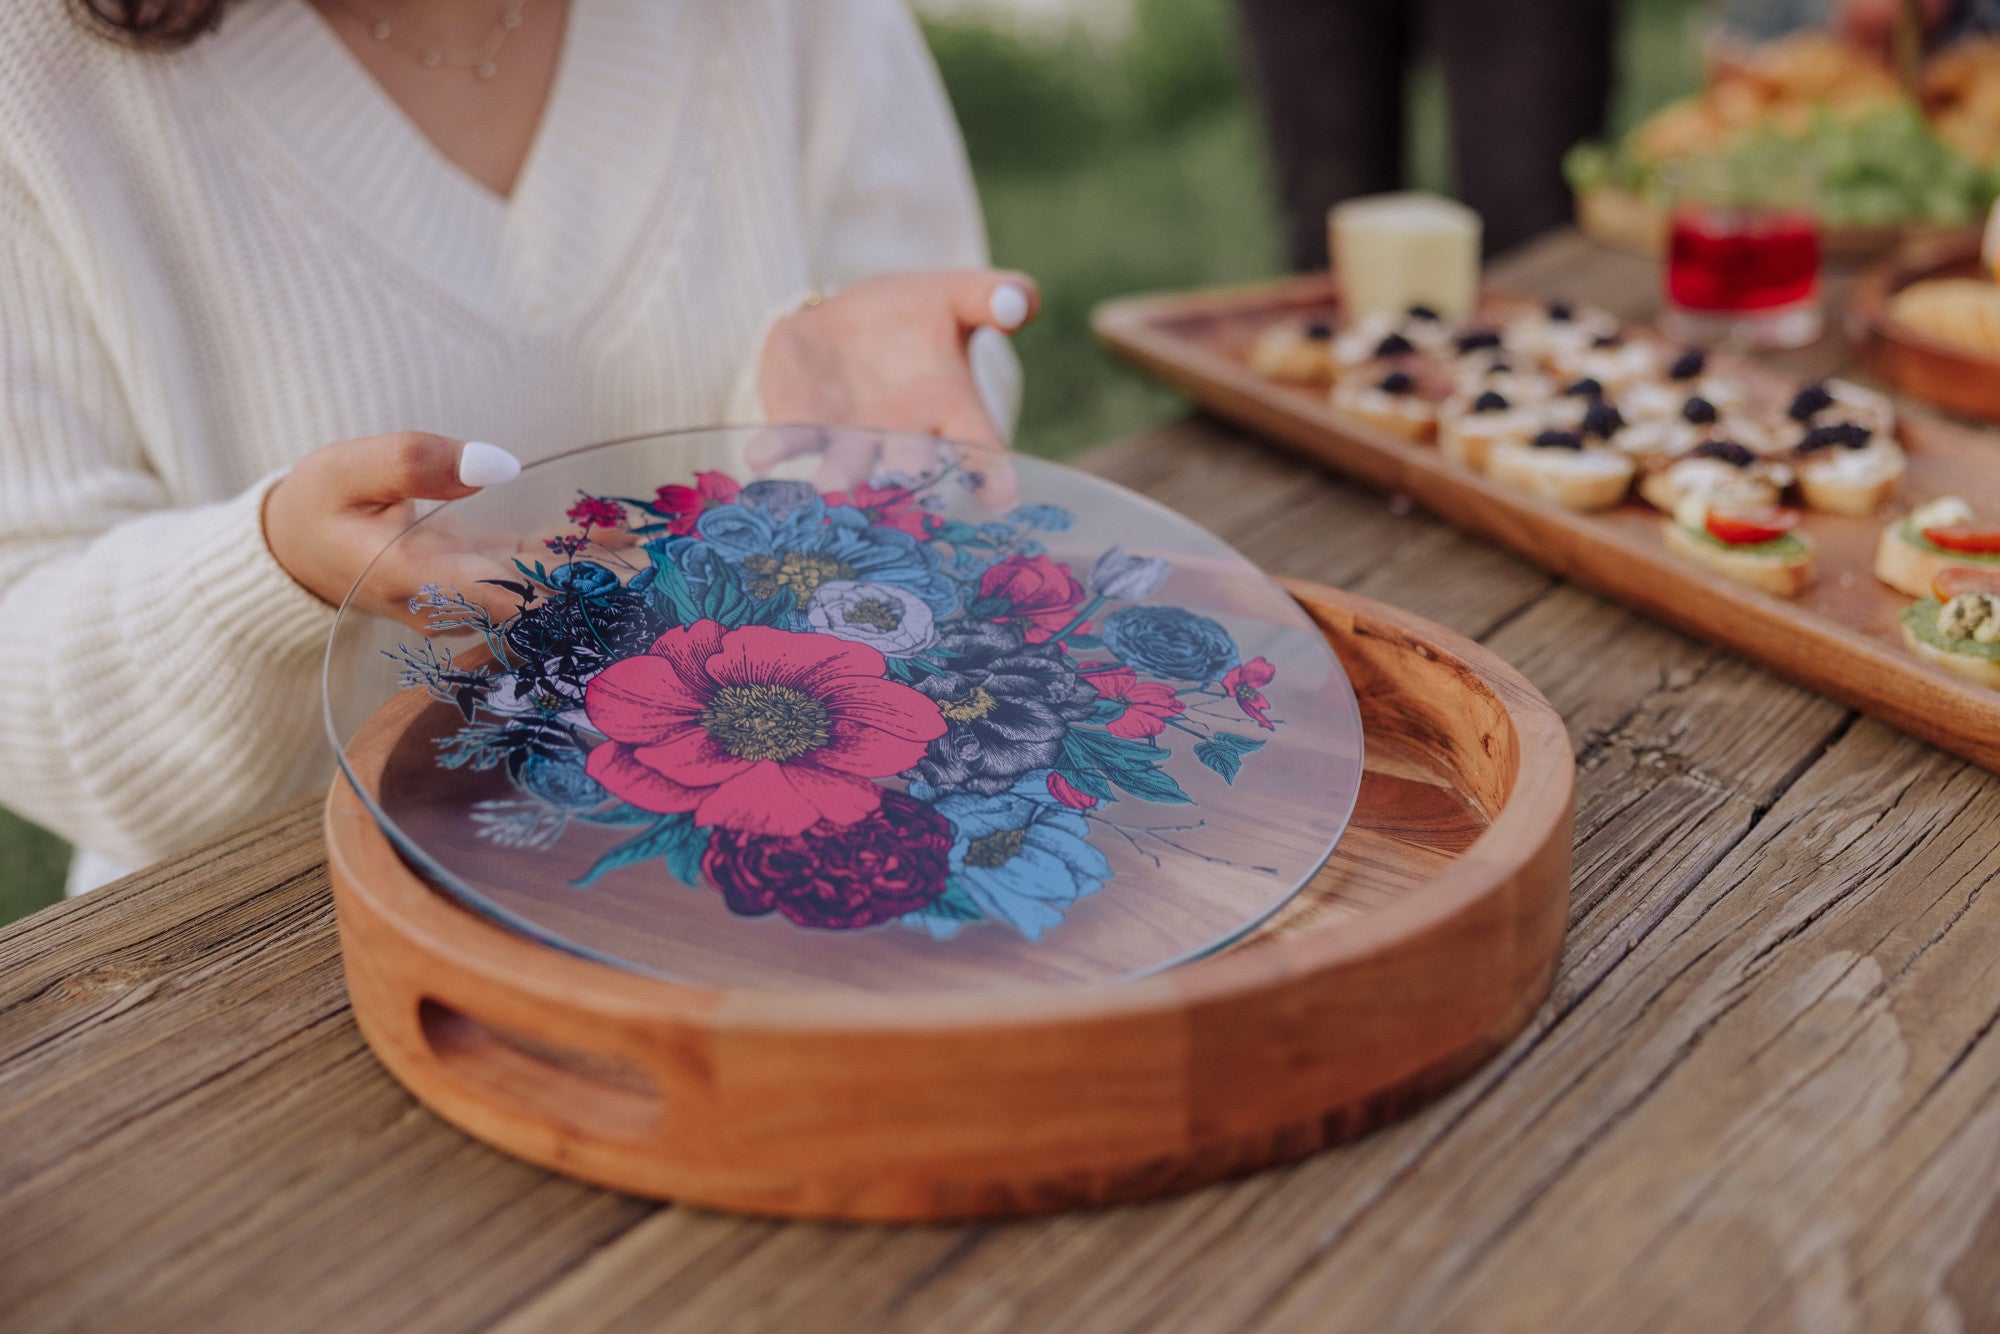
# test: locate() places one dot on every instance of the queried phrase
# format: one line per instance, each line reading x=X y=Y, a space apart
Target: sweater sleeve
x=886 y=182
x=157 y=666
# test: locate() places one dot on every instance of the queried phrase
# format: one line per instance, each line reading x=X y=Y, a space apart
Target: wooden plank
x=193 y=1135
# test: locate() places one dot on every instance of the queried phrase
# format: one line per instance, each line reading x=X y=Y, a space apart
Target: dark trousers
x=1525 y=80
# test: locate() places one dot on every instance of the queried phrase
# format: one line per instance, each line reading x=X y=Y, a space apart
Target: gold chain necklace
x=433 y=55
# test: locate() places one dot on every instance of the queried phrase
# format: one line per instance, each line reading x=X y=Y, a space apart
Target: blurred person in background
x=1524 y=80
x=267 y=266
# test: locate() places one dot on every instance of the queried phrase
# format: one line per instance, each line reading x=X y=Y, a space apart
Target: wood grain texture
x=1841 y=636
x=1424 y=943
x=1765 y=1094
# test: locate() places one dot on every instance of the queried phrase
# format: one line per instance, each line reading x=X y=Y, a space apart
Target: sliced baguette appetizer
x=1934 y=536
x=1832 y=401
x=1847 y=469
x=1721 y=472
x=1469 y=429
x=1294 y=353
x=1613 y=361
x=1557 y=466
x=1755 y=547
x=1961 y=635
x=1390 y=402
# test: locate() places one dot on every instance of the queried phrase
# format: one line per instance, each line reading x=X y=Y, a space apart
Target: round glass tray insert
x=775 y=728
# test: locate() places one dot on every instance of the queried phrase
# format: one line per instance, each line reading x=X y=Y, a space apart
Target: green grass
x=1107 y=170
x=32 y=864
x=1189 y=210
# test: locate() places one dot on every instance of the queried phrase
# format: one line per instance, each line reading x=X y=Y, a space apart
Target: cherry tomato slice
x=1745 y=528
x=1965 y=537
x=1952 y=580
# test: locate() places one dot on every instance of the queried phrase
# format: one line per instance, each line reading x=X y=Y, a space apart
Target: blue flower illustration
x=561 y=781
x=1171 y=642
x=1048 y=518
x=814 y=544
x=1020 y=857
x=585 y=578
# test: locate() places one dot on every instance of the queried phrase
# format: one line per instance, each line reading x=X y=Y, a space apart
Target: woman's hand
x=890 y=353
x=343 y=504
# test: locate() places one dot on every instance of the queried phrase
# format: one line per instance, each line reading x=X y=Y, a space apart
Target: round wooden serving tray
x=1946 y=374
x=1423 y=945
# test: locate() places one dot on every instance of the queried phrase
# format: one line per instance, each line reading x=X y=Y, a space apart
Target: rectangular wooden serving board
x=1841 y=638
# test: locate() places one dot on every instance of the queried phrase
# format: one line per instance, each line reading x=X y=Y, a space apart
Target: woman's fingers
x=910 y=455
x=378 y=471
x=773 y=446
x=848 y=462
x=998 y=298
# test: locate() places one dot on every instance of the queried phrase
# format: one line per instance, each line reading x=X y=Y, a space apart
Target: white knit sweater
x=213 y=261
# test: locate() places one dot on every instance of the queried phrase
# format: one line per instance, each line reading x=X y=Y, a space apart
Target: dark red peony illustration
x=888 y=863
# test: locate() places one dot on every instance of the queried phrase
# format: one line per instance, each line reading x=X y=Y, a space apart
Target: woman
x=258 y=285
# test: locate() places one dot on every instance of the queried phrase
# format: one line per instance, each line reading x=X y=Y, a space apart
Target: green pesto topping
x=1921 y=619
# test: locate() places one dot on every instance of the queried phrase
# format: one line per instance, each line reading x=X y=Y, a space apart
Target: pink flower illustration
x=1066 y=792
x=1042 y=594
x=1148 y=704
x=683 y=505
x=759 y=730
x=596 y=512
x=887 y=507
x=1245 y=685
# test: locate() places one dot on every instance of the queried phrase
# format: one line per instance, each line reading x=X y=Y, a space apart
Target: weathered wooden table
x=1765 y=1095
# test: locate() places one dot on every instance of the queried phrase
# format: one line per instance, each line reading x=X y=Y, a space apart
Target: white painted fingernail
x=481 y=464
x=1009 y=306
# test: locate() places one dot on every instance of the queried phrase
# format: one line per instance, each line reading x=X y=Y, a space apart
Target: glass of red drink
x=1743 y=251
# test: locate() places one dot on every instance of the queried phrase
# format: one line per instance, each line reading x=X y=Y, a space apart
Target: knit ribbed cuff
x=265 y=612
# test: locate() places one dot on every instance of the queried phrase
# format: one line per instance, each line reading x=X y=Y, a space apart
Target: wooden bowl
x=1421 y=947
x=1949 y=375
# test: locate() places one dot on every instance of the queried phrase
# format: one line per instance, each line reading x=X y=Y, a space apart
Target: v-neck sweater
x=217 y=259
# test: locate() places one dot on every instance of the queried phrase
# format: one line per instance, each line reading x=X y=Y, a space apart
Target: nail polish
x=1009 y=305
x=481 y=464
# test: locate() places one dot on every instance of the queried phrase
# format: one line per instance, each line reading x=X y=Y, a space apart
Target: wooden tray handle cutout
x=586 y=1092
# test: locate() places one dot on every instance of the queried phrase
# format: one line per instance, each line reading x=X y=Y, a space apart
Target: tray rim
x=1888 y=346
x=1816 y=652
x=1008 y=1102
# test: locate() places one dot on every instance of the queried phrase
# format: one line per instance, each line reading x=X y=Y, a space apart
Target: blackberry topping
x=1698 y=410
x=1560 y=312
x=1584 y=388
x=1735 y=455
x=1688 y=365
x=1319 y=331
x=1559 y=440
x=1602 y=420
x=1478 y=338
x=1395 y=345
x=1397 y=382
x=1423 y=313
x=1812 y=399
x=1847 y=435
x=1608 y=340
x=1490 y=401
